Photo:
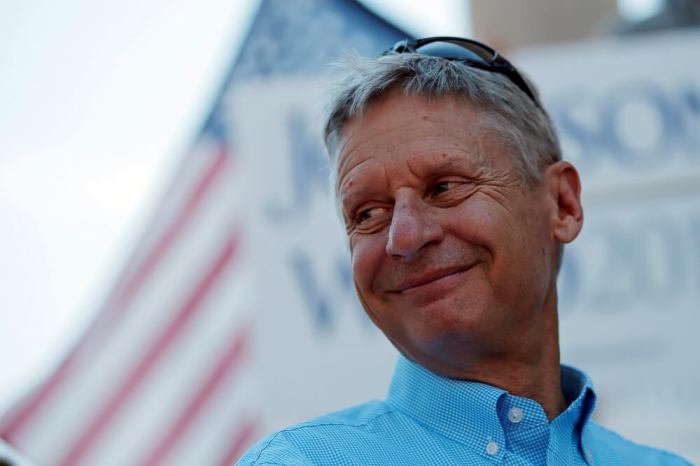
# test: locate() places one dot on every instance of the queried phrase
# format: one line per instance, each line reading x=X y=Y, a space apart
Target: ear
x=564 y=186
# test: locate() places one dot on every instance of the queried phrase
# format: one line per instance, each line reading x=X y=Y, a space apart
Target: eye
x=371 y=218
x=450 y=191
x=442 y=186
x=368 y=214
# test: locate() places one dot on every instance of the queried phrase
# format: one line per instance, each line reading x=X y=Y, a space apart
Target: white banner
x=628 y=115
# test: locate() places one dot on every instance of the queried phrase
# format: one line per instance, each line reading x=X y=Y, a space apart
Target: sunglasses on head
x=467 y=51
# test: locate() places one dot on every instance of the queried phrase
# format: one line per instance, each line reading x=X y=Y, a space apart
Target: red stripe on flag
x=241 y=441
x=222 y=370
x=17 y=418
x=161 y=344
x=134 y=282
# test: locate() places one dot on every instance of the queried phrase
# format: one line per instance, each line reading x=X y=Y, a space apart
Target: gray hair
x=523 y=126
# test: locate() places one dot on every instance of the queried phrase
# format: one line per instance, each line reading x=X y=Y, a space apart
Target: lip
x=428 y=278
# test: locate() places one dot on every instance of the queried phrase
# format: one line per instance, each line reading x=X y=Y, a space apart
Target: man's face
x=452 y=255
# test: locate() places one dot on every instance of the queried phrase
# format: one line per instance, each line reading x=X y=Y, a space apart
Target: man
x=457 y=205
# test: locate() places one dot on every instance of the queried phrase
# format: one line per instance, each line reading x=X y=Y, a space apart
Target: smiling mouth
x=429 y=278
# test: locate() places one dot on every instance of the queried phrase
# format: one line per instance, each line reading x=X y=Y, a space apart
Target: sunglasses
x=470 y=52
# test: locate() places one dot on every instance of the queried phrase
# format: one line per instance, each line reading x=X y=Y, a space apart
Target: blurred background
x=112 y=112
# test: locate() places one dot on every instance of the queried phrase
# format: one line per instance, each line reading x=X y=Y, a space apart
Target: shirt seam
x=638 y=445
x=307 y=426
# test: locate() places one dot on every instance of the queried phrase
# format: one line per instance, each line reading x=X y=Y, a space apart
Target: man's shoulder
x=605 y=446
x=320 y=436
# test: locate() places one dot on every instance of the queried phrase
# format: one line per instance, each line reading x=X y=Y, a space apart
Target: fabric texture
x=428 y=419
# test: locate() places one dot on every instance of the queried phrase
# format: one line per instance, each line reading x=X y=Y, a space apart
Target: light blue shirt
x=427 y=419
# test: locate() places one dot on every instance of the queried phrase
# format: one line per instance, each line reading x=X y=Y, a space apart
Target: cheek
x=474 y=224
x=366 y=255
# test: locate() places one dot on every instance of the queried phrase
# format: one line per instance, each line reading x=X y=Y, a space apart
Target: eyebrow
x=423 y=170
x=450 y=162
x=350 y=197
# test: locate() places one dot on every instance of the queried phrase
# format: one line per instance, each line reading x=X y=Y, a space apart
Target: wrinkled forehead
x=391 y=108
x=335 y=137
x=395 y=118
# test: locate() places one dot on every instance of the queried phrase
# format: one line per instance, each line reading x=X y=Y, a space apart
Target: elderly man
x=457 y=205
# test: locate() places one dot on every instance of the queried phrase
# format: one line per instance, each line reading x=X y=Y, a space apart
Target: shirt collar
x=579 y=394
x=464 y=411
x=567 y=428
x=468 y=411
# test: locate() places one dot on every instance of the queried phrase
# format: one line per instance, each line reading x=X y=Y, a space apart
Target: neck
x=537 y=382
x=526 y=363
x=534 y=370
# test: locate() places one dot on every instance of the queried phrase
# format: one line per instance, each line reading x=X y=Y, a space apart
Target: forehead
x=396 y=111
x=414 y=130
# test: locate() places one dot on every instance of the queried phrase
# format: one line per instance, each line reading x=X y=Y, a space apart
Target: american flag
x=168 y=373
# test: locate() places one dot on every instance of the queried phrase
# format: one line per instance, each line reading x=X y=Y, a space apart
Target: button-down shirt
x=428 y=419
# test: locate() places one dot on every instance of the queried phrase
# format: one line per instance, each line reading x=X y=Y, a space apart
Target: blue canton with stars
x=302 y=37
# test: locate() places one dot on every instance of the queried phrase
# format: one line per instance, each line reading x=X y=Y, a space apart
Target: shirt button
x=492 y=448
x=515 y=415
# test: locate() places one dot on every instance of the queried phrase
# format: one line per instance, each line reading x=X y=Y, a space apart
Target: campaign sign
x=628 y=116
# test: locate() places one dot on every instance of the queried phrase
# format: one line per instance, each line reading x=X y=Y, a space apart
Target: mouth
x=435 y=277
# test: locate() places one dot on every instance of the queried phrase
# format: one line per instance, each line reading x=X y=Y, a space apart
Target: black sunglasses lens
x=470 y=52
x=458 y=51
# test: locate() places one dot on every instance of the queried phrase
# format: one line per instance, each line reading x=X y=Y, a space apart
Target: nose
x=412 y=227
